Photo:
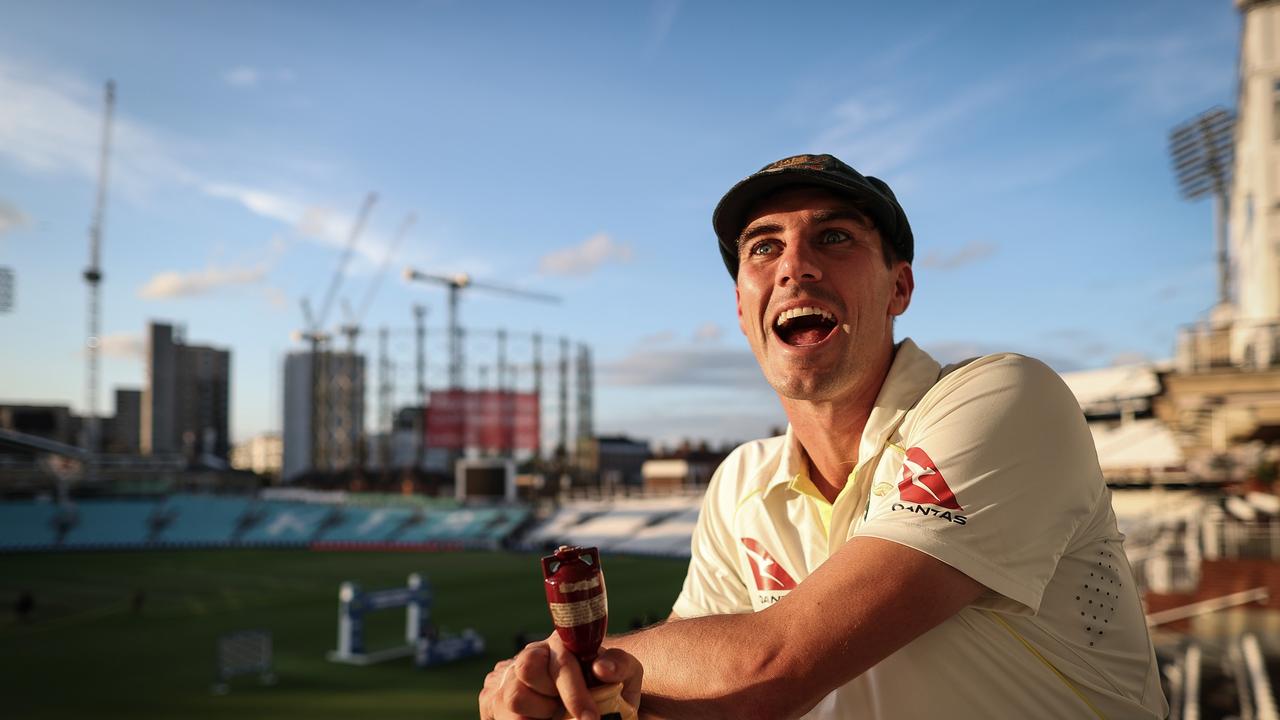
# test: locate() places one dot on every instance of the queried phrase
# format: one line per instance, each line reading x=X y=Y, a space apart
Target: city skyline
x=578 y=151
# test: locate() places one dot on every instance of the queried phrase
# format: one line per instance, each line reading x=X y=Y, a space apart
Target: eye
x=831 y=237
x=764 y=247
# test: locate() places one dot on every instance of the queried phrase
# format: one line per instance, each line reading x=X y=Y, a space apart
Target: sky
x=577 y=149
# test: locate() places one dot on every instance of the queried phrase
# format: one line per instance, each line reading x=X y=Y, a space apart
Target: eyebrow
x=819 y=217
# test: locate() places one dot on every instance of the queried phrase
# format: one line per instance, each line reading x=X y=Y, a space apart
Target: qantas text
x=930 y=510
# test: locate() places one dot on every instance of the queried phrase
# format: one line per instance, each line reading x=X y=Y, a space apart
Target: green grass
x=84 y=652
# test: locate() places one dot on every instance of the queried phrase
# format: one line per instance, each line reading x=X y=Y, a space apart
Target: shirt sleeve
x=713 y=585
x=999 y=472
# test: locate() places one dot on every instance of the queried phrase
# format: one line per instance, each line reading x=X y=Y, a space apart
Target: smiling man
x=922 y=542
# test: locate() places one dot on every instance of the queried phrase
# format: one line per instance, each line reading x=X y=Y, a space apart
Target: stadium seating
x=27 y=525
x=202 y=519
x=670 y=537
x=364 y=524
x=660 y=526
x=110 y=523
x=277 y=523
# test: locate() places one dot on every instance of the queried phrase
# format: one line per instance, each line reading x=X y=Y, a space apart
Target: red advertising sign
x=483 y=419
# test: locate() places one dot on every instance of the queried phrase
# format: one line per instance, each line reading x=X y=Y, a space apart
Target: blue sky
x=578 y=149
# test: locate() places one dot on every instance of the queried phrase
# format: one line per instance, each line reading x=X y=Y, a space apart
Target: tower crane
x=93 y=274
x=314 y=333
x=351 y=325
x=456 y=283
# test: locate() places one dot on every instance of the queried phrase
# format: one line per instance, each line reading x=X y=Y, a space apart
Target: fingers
x=520 y=688
x=569 y=683
x=613 y=666
x=532 y=668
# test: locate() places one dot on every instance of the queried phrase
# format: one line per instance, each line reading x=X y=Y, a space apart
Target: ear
x=737 y=298
x=903 y=285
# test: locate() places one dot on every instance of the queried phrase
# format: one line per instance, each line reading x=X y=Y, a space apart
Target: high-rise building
x=260 y=454
x=1255 y=193
x=323 y=422
x=123 y=430
x=186 y=403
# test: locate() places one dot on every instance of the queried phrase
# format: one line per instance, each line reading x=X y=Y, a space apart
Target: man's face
x=809 y=267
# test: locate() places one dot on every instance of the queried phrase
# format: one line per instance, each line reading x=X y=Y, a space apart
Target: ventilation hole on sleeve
x=1090 y=643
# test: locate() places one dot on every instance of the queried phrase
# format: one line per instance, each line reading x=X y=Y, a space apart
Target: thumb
x=614 y=666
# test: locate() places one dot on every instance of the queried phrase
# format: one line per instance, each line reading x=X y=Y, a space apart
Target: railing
x=1245 y=344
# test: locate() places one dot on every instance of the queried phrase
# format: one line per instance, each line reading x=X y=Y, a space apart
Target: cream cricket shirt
x=990 y=468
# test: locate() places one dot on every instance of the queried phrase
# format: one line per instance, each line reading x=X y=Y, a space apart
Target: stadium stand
x=27 y=525
x=657 y=526
x=669 y=538
x=110 y=523
x=277 y=523
x=188 y=520
x=201 y=519
x=364 y=524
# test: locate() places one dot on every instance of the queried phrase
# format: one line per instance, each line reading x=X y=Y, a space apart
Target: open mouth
x=803 y=326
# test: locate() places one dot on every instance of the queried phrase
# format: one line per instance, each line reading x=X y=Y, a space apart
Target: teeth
x=845 y=327
x=788 y=315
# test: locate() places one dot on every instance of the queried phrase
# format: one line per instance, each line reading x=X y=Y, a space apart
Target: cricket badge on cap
x=922 y=482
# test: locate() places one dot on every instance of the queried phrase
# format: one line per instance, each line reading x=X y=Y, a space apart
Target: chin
x=810 y=388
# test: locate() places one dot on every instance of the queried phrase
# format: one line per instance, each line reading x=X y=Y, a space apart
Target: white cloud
x=130 y=346
x=241 y=76
x=51 y=123
x=965 y=255
x=1130 y=357
x=662 y=17
x=275 y=297
x=707 y=332
x=685 y=367
x=730 y=425
x=247 y=76
x=259 y=202
x=583 y=259
x=11 y=217
x=875 y=133
x=1161 y=73
x=171 y=283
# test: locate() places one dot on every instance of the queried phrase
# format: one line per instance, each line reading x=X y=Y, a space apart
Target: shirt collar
x=910 y=376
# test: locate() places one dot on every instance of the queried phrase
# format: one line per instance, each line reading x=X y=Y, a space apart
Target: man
x=922 y=542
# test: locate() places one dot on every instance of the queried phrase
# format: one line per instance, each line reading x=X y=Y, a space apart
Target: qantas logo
x=922 y=483
x=769 y=574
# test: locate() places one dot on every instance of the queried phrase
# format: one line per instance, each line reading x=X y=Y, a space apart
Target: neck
x=829 y=431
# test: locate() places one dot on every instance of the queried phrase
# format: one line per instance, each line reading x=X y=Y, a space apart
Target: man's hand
x=544 y=680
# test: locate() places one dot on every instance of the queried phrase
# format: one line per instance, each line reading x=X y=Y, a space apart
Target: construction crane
x=93 y=276
x=314 y=334
x=456 y=283
x=351 y=319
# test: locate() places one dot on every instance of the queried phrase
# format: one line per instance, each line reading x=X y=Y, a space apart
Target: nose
x=798 y=264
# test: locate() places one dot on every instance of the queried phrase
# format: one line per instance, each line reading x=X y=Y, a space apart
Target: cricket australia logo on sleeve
x=924 y=491
x=772 y=581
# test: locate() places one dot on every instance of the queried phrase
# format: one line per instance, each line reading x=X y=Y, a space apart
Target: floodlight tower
x=93 y=276
x=1254 y=225
x=1201 y=149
